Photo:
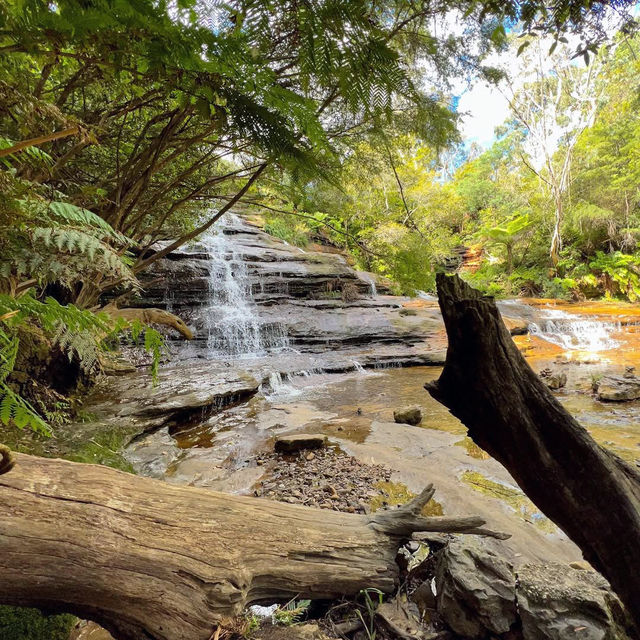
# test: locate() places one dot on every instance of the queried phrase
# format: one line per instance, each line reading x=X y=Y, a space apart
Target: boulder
x=408 y=415
x=475 y=588
x=299 y=442
x=618 y=388
x=557 y=602
x=553 y=379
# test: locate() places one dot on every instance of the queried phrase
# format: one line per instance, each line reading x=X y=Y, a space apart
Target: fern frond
x=70 y=214
x=15 y=409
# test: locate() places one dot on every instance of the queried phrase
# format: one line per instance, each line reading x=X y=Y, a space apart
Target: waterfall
x=366 y=277
x=231 y=316
x=573 y=332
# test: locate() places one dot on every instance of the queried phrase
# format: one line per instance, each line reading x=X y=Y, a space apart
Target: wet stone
x=299 y=442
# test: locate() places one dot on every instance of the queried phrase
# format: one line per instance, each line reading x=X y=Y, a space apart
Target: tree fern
x=68 y=214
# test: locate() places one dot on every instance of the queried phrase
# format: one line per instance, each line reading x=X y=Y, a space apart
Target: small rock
x=554 y=381
x=310 y=456
x=618 y=388
x=408 y=415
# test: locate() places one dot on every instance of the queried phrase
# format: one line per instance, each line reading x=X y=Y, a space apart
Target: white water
x=574 y=332
x=232 y=318
x=366 y=277
x=358 y=367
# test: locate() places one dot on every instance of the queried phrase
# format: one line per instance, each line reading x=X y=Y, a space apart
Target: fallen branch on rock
x=589 y=492
x=146 y=559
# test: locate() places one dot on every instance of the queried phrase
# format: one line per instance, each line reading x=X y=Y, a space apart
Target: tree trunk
x=593 y=495
x=149 y=560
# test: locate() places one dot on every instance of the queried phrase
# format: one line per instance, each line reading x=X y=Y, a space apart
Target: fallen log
x=589 y=492
x=150 y=316
x=146 y=559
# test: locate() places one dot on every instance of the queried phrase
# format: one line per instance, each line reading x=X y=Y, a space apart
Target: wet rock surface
x=314 y=298
x=180 y=396
x=326 y=478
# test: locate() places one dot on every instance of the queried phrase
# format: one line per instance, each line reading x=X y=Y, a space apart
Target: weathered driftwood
x=589 y=492
x=147 y=559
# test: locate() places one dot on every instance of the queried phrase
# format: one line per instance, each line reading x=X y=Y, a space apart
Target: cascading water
x=575 y=333
x=366 y=277
x=231 y=317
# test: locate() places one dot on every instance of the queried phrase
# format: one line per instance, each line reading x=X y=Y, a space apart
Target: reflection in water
x=510 y=496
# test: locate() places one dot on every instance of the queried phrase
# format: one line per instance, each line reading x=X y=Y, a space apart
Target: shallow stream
x=355 y=410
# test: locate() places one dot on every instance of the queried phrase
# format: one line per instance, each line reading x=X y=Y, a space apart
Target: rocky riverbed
x=326 y=478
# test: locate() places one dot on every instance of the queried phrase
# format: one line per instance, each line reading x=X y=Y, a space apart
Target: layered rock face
x=247 y=293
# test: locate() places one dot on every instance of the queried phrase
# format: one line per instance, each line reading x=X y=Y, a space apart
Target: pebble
x=327 y=479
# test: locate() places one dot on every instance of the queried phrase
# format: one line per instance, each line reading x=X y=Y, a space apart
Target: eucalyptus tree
x=555 y=104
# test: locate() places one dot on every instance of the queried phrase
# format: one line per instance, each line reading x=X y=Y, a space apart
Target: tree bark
x=149 y=560
x=589 y=492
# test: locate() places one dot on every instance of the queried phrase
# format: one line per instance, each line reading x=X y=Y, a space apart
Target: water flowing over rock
x=232 y=325
x=572 y=332
x=247 y=295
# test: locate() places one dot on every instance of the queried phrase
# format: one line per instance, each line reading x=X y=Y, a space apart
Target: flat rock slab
x=299 y=442
x=136 y=405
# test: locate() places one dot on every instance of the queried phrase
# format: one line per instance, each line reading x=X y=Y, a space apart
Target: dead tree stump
x=589 y=492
